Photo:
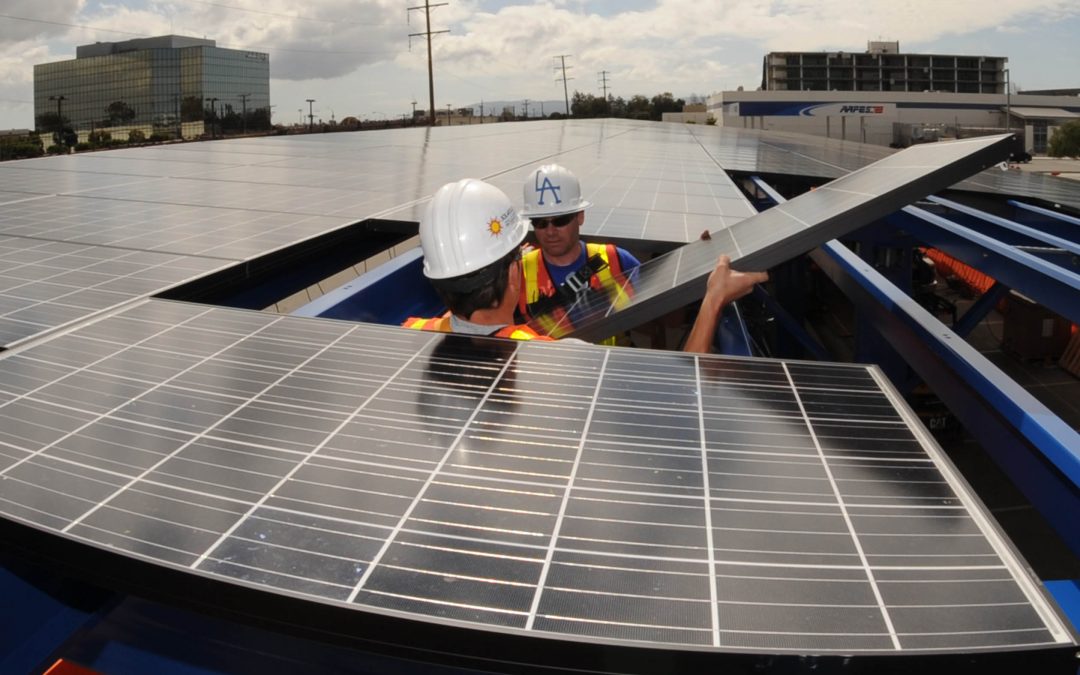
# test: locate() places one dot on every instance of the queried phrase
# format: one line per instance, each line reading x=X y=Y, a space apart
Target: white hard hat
x=466 y=226
x=552 y=190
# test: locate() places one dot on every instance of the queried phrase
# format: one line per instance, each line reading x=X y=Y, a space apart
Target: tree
x=50 y=121
x=119 y=113
x=662 y=103
x=191 y=109
x=1066 y=140
x=638 y=107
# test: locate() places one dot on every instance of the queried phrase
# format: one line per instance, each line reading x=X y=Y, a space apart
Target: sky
x=355 y=57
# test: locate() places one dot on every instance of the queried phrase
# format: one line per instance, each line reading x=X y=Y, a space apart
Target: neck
x=564 y=260
x=496 y=316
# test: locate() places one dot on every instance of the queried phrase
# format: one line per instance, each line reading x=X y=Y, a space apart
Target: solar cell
x=619 y=497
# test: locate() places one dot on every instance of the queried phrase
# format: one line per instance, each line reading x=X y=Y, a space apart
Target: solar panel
x=46 y=284
x=779 y=234
x=548 y=492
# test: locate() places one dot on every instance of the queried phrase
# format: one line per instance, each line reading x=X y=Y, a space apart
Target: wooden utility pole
x=430 y=72
x=566 y=96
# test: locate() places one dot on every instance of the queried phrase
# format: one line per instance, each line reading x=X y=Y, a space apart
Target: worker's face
x=557 y=240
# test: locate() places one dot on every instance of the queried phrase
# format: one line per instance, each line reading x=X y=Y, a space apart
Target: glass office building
x=160 y=84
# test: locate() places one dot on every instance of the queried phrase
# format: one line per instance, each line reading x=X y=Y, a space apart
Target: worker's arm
x=725 y=285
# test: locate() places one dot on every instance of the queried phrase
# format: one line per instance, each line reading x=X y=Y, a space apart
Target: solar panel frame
x=778 y=234
x=235 y=445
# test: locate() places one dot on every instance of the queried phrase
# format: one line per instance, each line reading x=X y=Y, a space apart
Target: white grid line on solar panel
x=847 y=519
x=131 y=481
x=114 y=225
x=1053 y=625
x=565 y=498
x=416 y=500
x=144 y=275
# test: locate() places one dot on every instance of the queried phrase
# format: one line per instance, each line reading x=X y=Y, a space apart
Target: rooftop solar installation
x=48 y=284
x=558 y=493
x=776 y=235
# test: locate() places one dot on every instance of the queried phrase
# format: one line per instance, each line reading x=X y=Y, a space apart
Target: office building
x=883 y=68
x=161 y=84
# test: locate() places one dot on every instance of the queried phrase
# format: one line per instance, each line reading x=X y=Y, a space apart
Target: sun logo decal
x=495 y=227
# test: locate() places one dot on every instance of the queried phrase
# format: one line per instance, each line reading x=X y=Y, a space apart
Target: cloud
x=46 y=14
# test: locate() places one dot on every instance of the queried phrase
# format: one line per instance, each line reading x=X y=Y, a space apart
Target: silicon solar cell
x=548 y=491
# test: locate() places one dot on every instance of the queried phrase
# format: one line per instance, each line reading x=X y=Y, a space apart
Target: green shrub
x=136 y=136
x=21 y=147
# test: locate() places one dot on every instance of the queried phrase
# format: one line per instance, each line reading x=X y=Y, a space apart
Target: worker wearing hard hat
x=470 y=235
x=564 y=265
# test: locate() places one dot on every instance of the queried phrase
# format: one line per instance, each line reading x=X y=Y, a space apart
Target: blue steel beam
x=1059 y=224
x=1048 y=284
x=978 y=311
x=1025 y=234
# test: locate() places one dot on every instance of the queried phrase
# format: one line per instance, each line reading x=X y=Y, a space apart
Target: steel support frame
x=1048 y=284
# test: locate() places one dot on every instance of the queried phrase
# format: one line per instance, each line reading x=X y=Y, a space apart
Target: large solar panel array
x=555 y=491
x=233 y=201
x=210 y=205
x=777 y=235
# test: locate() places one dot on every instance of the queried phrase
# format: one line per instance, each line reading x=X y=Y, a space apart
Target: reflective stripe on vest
x=442 y=325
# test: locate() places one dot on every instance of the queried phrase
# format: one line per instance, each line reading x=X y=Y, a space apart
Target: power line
x=290 y=16
x=430 y=70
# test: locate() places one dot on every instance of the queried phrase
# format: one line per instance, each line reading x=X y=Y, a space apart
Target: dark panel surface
x=658 y=498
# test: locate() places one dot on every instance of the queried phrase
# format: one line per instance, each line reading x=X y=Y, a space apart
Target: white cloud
x=358 y=50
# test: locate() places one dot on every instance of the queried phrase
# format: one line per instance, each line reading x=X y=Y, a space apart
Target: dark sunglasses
x=557 y=221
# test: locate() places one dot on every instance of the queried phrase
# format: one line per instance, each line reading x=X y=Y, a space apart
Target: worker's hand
x=725 y=285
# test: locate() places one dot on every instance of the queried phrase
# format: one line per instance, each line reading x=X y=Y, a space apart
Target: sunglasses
x=557 y=221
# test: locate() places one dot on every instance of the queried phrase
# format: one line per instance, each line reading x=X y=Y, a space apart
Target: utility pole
x=526 y=107
x=414 y=109
x=566 y=96
x=481 y=111
x=428 y=33
x=447 y=114
x=243 y=118
x=542 y=110
x=603 y=82
x=310 y=116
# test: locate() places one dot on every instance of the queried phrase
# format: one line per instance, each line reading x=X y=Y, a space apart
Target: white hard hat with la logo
x=466 y=226
x=552 y=190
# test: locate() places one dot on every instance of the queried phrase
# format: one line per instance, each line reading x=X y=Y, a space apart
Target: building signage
x=809 y=109
x=849 y=109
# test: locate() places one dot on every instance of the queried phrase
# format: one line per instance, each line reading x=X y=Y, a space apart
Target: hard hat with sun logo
x=466 y=226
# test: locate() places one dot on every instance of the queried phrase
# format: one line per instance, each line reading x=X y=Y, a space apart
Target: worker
x=471 y=235
x=564 y=266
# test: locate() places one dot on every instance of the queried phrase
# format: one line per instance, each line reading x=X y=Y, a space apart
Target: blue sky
x=353 y=56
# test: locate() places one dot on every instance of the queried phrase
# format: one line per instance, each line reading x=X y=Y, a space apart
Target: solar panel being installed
x=469 y=485
x=779 y=234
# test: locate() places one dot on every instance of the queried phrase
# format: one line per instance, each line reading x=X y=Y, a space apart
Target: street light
x=59 y=118
x=1008 y=102
x=311 y=115
x=213 y=112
